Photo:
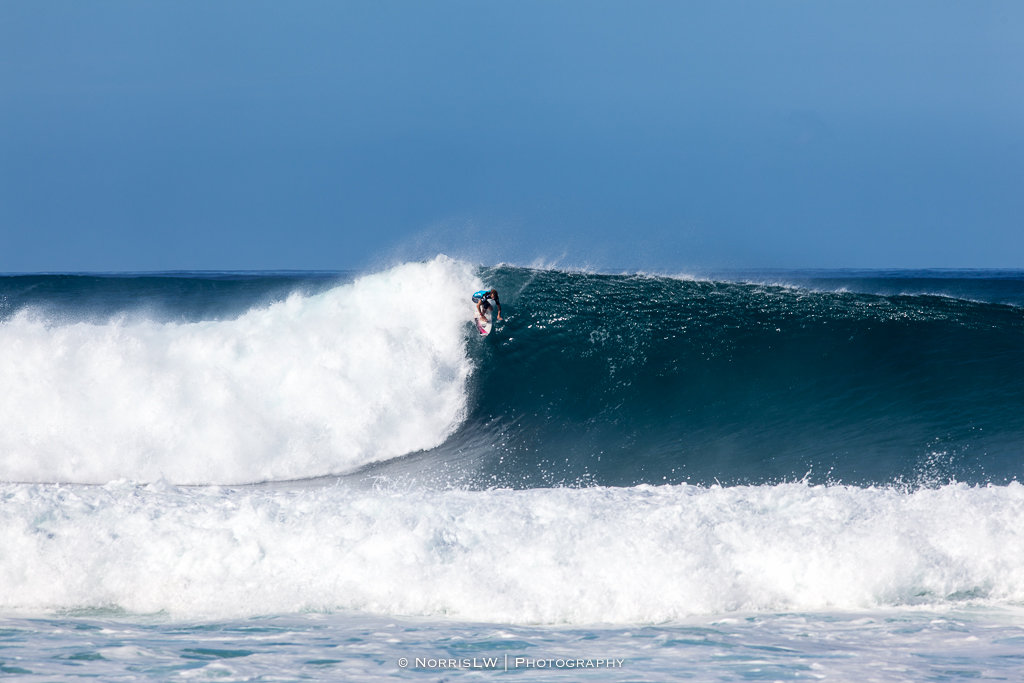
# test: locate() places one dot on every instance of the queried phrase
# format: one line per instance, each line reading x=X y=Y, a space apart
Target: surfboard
x=483 y=325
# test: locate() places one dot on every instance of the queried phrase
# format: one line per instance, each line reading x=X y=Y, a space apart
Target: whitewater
x=321 y=476
x=300 y=388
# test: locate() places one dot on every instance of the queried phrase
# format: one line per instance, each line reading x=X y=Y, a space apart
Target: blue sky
x=660 y=135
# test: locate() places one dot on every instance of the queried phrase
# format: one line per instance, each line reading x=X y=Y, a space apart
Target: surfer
x=486 y=300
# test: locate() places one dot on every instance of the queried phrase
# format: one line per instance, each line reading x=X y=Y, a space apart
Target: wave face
x=623 y=380
x=115 y=378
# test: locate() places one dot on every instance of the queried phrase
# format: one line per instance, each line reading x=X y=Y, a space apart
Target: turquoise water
x=877 y=646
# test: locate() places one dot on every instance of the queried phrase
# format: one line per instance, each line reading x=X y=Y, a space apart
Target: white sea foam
x=612 y=555
x=306 y=387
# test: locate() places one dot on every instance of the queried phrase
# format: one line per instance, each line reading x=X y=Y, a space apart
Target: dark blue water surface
x=904 y=377
x=164 y=297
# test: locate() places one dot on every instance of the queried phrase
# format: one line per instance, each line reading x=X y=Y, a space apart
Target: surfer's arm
x=498 y=304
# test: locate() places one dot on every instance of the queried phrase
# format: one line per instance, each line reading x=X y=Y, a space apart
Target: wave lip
x=600 y=555
x=306 y=387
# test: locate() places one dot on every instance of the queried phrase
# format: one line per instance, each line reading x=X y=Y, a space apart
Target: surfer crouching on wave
x=485 y=301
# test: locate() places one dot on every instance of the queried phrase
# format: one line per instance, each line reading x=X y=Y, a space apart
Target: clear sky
x=663 y=135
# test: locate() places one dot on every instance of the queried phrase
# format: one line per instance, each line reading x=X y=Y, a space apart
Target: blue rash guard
x=486 y=299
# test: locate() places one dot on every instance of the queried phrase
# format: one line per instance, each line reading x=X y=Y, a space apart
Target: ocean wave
x=628 y=379
x=593 y=379
x=595 y=555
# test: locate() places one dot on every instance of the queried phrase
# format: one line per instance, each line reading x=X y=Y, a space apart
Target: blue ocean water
x=728 y=476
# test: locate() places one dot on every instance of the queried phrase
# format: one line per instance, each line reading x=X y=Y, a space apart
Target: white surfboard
x=483 y=325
